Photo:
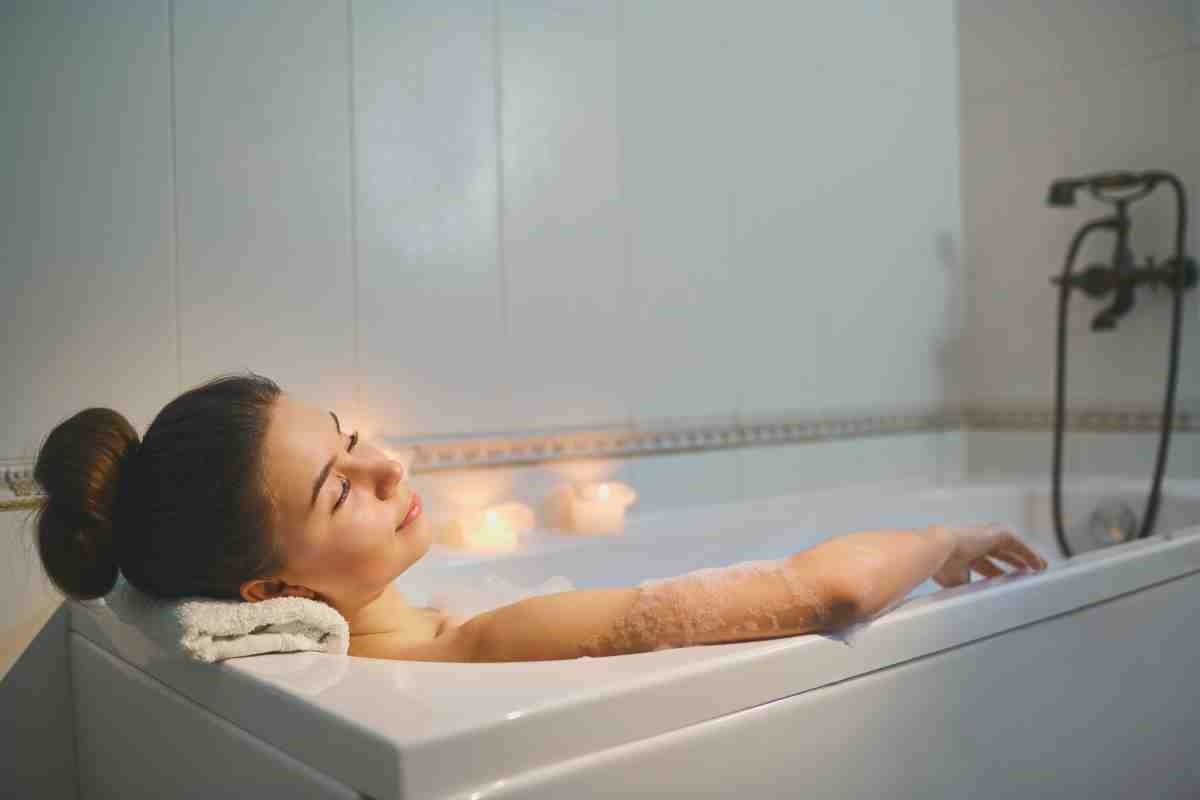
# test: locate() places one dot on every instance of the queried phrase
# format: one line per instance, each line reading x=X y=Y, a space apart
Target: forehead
x=300 y=439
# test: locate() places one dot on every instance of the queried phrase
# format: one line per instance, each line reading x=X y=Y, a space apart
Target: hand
x=979 y=547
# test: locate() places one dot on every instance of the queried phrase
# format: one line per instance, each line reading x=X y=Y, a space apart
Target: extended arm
x=834 y=584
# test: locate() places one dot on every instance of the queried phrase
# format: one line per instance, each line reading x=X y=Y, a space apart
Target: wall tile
x=86 y=294
x=1128 y=365
x=1029 y=454
x=676 y=174
x=952 y=456
x=784 y=141
x=845 y=204
x=1006 y=44
x=263 y=166
x=784 y=469
x=902 y=44
x=431 y=295
x=893 y=285
x=1131 y=454
x=564 y=246
x=1000 y=454
x=688 y=479
x=1012 y=150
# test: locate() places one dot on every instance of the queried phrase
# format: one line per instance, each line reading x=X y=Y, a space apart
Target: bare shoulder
x=437 y=638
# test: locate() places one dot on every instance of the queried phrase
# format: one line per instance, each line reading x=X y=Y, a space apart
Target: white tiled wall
x=563 y=236
x=1053 y=90
x=262 y=185
x=996 y=454
x=431 y=313
x=485 y=216
x=496 y=216
x=87 y=294
x=680 y=155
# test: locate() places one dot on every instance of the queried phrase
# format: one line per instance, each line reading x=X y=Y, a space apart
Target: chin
x=422 y=536
x=419 y=540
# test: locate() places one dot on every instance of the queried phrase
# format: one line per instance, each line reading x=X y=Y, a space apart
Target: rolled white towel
x=210 y=630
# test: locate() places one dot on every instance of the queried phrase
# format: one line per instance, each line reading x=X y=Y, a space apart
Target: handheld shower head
x=1062 y=193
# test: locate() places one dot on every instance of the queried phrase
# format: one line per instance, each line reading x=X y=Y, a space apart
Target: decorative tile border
x=1088 y=420
x=659 y=439
x=686 y=436
x=21 y=489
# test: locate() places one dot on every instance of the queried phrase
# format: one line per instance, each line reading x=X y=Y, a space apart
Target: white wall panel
x=1029 y=454
x=996 y=455
x=87 y=313
x=1055 y=90
x=1013 y=42
x=686 y=479
x=784 y=144
x=768 y=471
x=564 y=240
x=676 y=171
x=1128 y=365
x=435 y=354
x=893 y=285
x=1013 y=149
x=263 y=174
x=846 y=209
x=902 y=44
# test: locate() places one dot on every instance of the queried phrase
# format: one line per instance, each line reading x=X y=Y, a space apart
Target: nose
x=378 y=470
x=390 y=476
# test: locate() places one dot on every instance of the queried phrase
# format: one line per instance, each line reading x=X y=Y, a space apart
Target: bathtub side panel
x=137 y=738
x=1099 y=703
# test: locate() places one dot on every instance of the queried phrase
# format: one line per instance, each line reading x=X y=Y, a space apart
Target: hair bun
x=79 y=468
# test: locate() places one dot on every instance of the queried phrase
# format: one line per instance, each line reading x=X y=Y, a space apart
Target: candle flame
x=496 y=530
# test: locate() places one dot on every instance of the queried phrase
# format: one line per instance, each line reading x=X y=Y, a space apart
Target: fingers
x=994 y=548
x=986 y=568
x=1026 y=555
x=1011 y=549
x=1006 y=549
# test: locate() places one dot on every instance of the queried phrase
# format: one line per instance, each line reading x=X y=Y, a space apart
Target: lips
x=414 y=511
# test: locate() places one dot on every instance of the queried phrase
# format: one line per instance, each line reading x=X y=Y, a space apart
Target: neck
x=385 y=613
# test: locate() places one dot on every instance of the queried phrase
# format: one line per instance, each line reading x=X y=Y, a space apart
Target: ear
x=267 y=588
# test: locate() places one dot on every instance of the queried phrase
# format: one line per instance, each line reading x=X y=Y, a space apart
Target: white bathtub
x=1078 y=682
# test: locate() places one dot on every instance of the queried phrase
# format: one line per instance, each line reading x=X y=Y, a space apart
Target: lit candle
x=599 y=507
x=496 y=529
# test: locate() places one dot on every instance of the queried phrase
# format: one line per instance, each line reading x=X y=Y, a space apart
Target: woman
x=238 y=490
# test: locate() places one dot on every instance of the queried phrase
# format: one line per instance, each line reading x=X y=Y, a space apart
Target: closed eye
x=345 y=482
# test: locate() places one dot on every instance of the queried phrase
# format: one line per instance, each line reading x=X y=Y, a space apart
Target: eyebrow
x=324 y=473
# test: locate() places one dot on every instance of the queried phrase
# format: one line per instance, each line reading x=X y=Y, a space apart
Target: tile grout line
x=173 y=149
x=352 y=179
x=501 y=260
x=634 y=308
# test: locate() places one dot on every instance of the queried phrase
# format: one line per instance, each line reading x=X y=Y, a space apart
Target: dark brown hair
x=183 y=512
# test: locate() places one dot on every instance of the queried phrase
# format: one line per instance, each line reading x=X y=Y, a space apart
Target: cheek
x=358 y=542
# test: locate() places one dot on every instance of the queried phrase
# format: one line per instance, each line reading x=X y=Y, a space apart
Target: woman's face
x=339 y=503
